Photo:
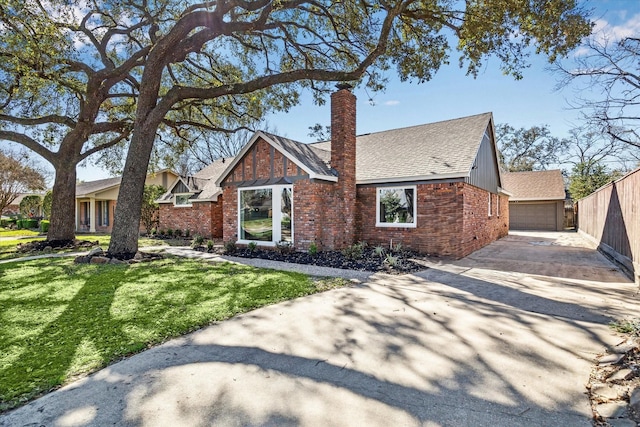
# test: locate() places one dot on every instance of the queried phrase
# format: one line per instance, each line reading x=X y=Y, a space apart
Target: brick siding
x=203 y=218
x=452 y=220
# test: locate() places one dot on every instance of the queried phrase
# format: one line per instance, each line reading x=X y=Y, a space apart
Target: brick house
x=194 y=203
x=434 y=188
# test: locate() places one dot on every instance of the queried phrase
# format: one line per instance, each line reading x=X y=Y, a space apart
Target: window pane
x=256 y=222
x=396 y=205
x=182 y=199
x=285 y=215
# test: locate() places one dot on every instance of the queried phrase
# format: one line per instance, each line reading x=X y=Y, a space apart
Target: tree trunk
x=126 y=221
x=63 y=206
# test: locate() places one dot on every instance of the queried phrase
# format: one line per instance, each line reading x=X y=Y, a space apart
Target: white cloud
x=605 y=33
x=391 y=103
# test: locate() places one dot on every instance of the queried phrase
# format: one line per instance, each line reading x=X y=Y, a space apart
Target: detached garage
x=537 y=201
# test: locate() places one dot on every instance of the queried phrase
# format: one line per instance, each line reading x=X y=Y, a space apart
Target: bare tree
x=609 y=71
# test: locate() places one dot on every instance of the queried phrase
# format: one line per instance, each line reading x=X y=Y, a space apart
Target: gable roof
x=535 y=185
x=440 y=150
x=202 y=183
x=312 y=160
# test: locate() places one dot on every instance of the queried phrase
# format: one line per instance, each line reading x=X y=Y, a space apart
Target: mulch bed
x=50 y=245
x=405 y=261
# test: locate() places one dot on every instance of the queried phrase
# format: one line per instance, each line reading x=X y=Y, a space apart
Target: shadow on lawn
x=92 y=326
x=399 y=351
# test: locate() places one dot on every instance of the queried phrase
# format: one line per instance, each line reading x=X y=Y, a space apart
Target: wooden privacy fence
x=611 y=217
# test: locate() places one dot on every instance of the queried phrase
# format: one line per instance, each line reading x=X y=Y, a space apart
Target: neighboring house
x=14 y=207
x=96 y=200
x=434 y=188
x=537 y=200
x=195 y=203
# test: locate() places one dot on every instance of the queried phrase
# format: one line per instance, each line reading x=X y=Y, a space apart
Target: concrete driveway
x=505 y=337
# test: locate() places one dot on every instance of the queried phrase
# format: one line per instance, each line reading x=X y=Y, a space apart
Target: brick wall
x=452 y=220
x=203 y=218
x=479 y=228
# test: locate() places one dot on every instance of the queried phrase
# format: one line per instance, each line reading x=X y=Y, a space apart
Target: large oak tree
x=216 y=51
x=69 y=81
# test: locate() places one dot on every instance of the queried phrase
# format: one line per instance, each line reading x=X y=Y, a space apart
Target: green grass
x=59 y=320
x=5 y=232
x=626 y=326
x=8 y=247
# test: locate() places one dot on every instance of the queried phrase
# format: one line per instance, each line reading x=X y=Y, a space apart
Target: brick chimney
x=343 y=160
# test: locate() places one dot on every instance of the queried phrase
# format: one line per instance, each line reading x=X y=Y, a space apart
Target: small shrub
x=170 y=232
x=210 y=245
x=162 y=232
x=197 y=241
x=187 y=233
x=392 y=261
x=354 y=251
x=178 y=232
x=44 y=226
x=313 y=249
x=154 y=231
x=252 y=246
x=284 y=247
x=229 y=247
x=379 y=251
x=398 y=248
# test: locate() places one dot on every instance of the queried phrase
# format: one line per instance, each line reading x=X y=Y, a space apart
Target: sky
x=534 y=100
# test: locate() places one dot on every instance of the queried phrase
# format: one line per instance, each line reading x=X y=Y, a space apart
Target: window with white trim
x=498 y=206
x=396 y=206
x=265 y=214
x=182 y=199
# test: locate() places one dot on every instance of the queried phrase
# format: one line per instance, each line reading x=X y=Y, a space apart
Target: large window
x=266 y=214
x=396 y=207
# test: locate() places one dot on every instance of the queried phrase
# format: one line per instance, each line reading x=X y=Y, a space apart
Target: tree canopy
x=527 y=149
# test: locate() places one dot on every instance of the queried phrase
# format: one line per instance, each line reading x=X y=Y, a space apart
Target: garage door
x=532 y=216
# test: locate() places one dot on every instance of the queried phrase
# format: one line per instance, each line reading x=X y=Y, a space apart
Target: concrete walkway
x=505 y=337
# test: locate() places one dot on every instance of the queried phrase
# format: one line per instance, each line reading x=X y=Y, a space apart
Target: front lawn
x=59 y=320
x=6 y=232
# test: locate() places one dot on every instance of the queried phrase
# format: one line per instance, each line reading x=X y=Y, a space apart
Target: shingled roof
x=438 y=150
x=202 y=183
x=535 y=185
x=90 y=187
x=444 y=149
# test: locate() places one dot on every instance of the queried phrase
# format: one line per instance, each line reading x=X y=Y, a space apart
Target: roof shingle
x=534 y=185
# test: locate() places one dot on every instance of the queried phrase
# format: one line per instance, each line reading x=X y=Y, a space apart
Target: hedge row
x=25 y=223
